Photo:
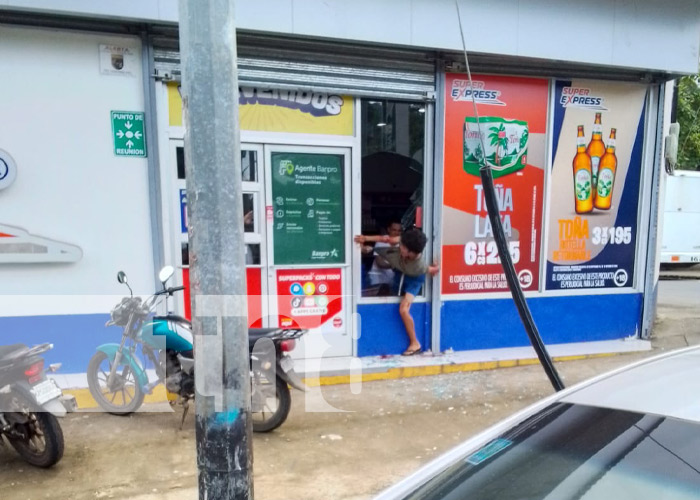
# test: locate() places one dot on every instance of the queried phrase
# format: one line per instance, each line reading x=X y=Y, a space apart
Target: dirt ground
x=387 y=431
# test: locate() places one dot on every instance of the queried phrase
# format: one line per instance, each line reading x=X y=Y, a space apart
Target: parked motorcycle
x=30 y=403
x=119 y=382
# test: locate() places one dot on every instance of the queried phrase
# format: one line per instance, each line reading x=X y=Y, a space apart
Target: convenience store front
x=317 y=168
x=345 y=133
x=312 y=179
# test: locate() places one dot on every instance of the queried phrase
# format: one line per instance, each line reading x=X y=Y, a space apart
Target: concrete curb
x=438 y=369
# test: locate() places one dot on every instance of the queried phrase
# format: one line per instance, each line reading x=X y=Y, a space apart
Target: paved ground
x=388 y=430
x=678 y=310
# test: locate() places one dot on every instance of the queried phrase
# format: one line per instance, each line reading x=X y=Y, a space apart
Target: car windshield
x=578 y=452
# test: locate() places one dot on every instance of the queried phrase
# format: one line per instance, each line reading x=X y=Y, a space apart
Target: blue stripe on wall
x=382 y=331
x=466 y=325
x=74 y=337
x=489 y=324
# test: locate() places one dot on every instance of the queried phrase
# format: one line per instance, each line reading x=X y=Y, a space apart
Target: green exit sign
x=128 y=133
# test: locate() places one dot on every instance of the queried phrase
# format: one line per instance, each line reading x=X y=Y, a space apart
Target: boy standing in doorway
x=409 y=276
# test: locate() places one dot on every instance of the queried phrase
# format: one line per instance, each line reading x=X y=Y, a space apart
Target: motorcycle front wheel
x=41 y=443
x=124 y=396
x=270 y=402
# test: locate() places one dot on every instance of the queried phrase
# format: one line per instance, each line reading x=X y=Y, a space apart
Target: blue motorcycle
x=119 y=382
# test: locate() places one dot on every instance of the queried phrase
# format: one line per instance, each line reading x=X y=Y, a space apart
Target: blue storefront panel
x=382 y=331
x=490 y=324
x=74 y=337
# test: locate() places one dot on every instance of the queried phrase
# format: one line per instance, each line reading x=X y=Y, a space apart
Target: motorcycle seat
x=259 y=333
x=6 y=350
x=274 y=334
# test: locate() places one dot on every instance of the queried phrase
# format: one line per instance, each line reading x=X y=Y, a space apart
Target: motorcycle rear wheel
x=43 y=445
x=266 y=421
x=131 y=394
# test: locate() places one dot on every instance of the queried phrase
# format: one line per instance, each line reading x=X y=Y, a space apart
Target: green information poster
x=308 y=201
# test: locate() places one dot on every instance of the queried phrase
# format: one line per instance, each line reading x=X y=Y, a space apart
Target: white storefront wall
x=70 y=186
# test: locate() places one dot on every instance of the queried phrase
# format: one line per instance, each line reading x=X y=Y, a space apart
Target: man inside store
x=381 y=274
x=410 y=268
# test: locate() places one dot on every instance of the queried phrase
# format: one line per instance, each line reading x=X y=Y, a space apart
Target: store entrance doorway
x=297 y=244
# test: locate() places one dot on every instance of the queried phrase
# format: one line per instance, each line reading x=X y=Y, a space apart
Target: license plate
x=46 y=391
x=286 y=364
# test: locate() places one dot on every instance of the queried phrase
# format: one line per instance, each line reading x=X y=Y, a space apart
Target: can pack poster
x=596 y=173
x=512 y=138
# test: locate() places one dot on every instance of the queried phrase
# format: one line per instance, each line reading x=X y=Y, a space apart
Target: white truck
x=680 y=243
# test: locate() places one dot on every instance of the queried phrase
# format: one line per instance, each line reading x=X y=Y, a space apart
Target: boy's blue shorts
x=411 y=284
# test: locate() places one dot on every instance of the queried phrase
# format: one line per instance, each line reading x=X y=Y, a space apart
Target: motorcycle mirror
x=165 y=274
x=121 y=277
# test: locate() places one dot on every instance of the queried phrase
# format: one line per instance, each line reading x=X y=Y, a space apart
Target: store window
x=251 y=201
x=393 y=138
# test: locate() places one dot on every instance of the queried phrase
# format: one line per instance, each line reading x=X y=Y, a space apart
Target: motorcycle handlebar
x=170 y=290
x=145 y=307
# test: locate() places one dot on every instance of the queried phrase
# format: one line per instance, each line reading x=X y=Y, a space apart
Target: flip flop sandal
x=412 y=353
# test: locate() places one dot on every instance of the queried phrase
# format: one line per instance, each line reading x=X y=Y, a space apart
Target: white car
x=633 y=433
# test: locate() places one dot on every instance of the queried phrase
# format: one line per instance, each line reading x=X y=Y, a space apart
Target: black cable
x=502 y=244
x=512 y=279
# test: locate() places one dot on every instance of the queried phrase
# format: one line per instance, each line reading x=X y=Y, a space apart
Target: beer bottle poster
x=513 y=118
x=308 y=202
x=596 y=172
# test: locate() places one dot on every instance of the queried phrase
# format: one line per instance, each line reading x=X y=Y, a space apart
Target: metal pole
x=217 y=265
x=154 y=180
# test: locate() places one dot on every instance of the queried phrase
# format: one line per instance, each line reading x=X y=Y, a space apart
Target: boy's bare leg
x=405 y=312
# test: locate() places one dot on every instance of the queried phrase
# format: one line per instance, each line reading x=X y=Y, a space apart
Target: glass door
x=252 y=175
x=254 y=233
x=307 y=195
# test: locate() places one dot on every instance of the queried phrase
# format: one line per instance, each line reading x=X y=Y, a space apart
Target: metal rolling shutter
x=319 y=67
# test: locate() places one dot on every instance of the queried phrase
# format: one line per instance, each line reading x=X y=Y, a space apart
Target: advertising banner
x=310 y=298
x=513 y=120
x=272 y=110
x=307 y=196
x=596 y=173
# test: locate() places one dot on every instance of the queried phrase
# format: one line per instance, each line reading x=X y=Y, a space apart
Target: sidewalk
x=331 y=371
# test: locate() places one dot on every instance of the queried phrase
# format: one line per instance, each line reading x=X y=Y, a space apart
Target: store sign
x=464 y=90
x=596 y=175
x=511 y=137
x=308 y=203
x=278 y=110
x=313 y=103
x=128 y=133
x=310 y=298
x=8 y=170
